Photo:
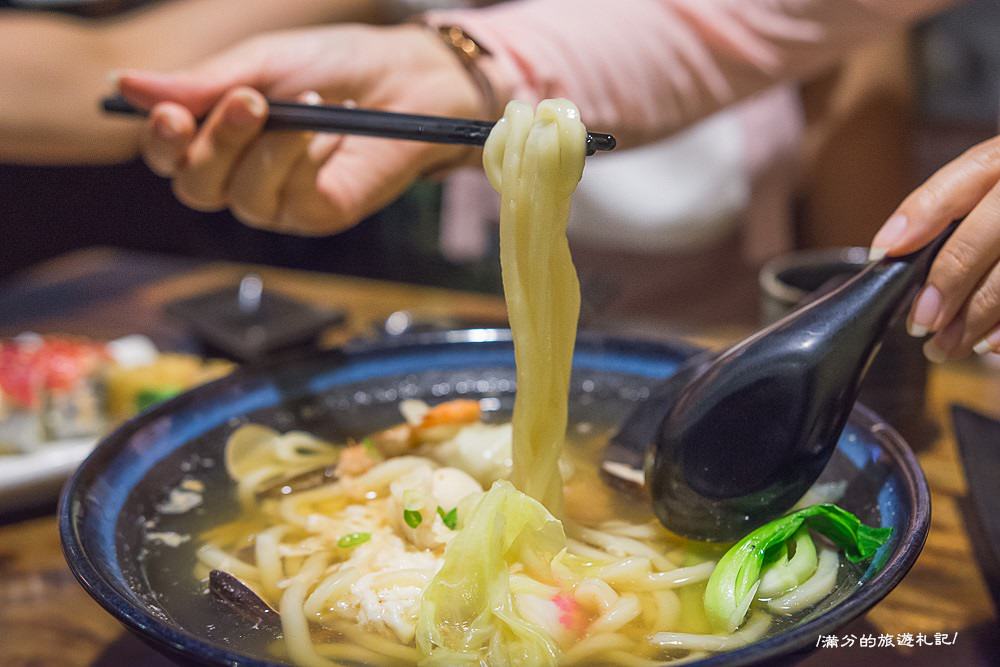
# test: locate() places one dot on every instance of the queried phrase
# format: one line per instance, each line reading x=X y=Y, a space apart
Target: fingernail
x=887 y=237
x=115 y=76
x=246 y=109
x=934 y=353
x=166 y=128
x=925 y=311
x=939 y=348
x=311 y=97
x=991 y=343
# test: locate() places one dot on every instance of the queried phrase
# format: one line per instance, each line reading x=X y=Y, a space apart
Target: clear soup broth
x=203 y=507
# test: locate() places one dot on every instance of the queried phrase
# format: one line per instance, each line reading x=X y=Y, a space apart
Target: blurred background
x=892 y=111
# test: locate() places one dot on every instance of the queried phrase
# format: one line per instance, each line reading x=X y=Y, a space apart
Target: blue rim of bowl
x=191 y=647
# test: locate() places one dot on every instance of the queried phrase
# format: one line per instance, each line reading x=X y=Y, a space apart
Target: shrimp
x=356 y=460
x=443 y=421
x=432 y=424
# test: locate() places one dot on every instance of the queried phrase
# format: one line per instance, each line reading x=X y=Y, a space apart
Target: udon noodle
x=535 y=162
x=446 y=540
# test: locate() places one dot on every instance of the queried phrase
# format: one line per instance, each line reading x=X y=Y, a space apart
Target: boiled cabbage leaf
x=467 y=614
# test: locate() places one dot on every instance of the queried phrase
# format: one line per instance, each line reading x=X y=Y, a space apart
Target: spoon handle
x=911 y=270
x=871 y=301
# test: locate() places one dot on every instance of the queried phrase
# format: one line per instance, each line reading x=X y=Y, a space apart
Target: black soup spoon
x=742 y=435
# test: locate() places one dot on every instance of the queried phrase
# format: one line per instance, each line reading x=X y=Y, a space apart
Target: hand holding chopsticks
x=209 y=126
x=372 y=123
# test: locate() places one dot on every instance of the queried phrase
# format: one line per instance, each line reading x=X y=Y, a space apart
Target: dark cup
x=896 y=384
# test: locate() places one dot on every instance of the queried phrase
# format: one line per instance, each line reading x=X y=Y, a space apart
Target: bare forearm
x=47 y=92
x=181 y=32
x=55 y=69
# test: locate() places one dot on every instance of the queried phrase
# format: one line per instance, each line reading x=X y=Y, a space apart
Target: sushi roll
x=56 y=387
x=73 y=392
x=50 y=389
x=20 y=399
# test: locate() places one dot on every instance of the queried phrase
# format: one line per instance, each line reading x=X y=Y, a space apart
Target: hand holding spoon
x=745 y=434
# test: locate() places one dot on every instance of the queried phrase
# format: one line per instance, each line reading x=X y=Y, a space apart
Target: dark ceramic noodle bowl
x=335 y=394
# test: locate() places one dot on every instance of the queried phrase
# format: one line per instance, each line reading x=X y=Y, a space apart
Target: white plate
x=36 y=477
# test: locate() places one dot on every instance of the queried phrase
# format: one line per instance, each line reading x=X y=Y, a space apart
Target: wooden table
x=47 y=619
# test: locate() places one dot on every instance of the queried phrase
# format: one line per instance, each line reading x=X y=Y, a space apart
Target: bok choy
x=736 y=578
x=785 y=573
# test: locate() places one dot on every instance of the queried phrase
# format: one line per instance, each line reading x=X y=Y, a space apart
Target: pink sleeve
x=644 y=68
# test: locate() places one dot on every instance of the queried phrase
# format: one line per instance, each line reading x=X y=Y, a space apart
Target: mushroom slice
x=235 y=594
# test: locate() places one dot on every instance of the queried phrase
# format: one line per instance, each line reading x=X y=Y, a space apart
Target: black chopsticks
x=368 y=122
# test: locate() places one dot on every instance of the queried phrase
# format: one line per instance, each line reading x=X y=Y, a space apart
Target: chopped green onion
x=736 y=578
x=450 y=519
x=352 y=540
x=372 y=450
x=412 y=518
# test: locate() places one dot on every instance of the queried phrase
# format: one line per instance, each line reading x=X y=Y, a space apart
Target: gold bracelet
x=469 y=52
